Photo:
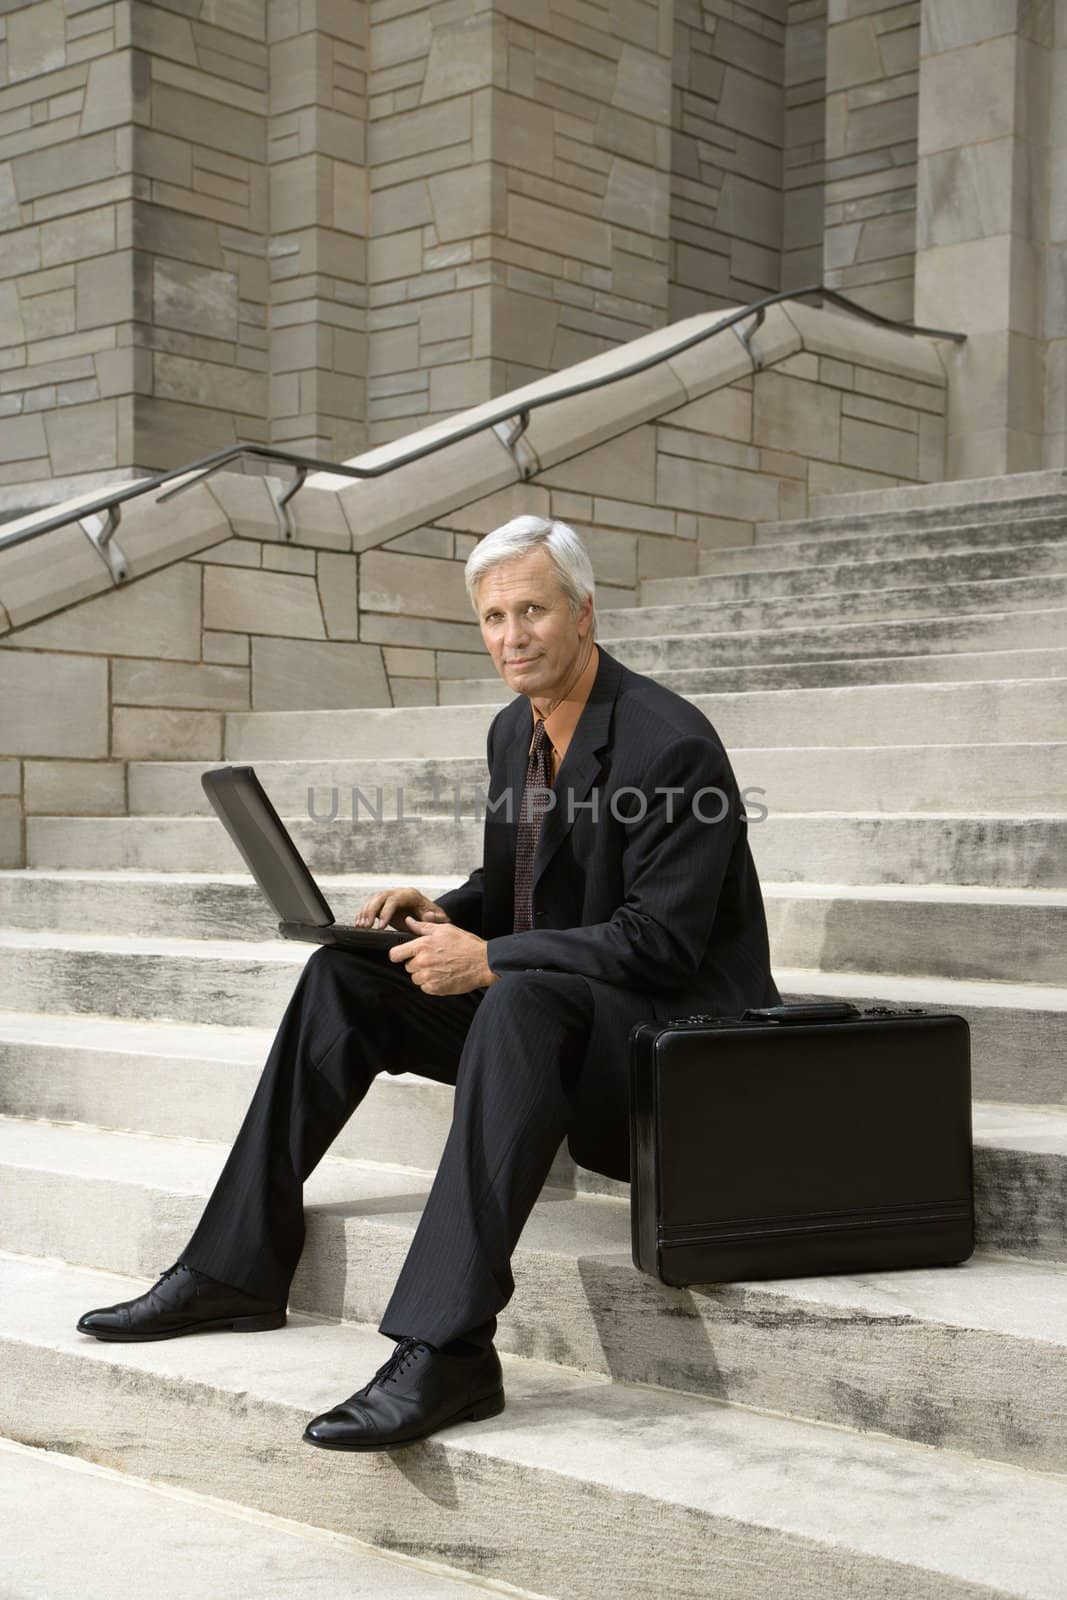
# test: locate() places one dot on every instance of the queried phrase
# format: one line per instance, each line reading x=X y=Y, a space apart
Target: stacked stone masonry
x=322 y=223
x=367 y=605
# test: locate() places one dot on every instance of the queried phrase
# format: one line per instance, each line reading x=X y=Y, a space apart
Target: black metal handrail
x=107 y=504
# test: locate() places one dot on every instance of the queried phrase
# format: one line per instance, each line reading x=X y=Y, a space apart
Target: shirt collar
x=561 y=723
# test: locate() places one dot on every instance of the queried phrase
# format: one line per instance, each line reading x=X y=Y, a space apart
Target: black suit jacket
x=642 y=893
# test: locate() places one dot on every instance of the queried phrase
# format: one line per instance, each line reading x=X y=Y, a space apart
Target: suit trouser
x=513 y=1051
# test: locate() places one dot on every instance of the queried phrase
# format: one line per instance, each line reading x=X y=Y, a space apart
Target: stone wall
x=367 y=605
x=66 y=248
x=320 y=223
x=184 y=264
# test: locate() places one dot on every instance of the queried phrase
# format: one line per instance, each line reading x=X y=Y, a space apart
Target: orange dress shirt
x=561 y=723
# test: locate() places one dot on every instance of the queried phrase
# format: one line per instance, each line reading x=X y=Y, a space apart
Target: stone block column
x=519 y=158
x=982 y=222
x=318 y=225
x=804 y=164
x=1055 y=249
x=727 y=136
x=872 y=52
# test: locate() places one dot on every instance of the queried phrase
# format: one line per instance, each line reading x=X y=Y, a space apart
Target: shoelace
x=177 y=1267
x=396 y=1363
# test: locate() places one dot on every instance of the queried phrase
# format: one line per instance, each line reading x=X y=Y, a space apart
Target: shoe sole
x=273 y=1319
x=492 y=1406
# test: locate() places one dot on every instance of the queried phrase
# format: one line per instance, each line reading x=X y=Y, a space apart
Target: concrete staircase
x=890 y=678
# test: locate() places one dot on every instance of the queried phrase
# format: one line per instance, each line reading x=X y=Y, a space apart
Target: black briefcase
x=798 y=1140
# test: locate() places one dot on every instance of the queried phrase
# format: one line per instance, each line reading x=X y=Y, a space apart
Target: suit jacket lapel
x=579 y=765
x=578 y=769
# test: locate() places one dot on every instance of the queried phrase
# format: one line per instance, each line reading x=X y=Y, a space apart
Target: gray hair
x=522 y=534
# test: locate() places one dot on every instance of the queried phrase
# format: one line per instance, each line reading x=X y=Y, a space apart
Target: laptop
x=278 y=867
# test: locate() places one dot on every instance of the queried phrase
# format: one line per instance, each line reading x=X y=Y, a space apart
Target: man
x=617 y=884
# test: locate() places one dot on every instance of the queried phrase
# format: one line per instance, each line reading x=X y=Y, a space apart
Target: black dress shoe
x=418 y=1390
x=184 y=1300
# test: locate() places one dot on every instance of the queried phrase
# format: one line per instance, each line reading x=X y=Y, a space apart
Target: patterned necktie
x=538 y=776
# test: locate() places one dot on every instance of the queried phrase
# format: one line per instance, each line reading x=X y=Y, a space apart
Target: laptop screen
x=263 y=840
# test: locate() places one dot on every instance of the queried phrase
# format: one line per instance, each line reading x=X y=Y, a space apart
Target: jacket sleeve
x=465 y=904
x=674 y=861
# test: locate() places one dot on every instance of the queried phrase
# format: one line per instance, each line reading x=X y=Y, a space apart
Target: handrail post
x=510 y=431
x=746 y=336
x=99 y=528
x=281 y=505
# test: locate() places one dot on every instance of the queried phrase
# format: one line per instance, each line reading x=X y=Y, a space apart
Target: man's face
x=536 y=645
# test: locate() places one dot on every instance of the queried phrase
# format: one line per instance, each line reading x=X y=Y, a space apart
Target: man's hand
x=444 y=959
x=392 y=905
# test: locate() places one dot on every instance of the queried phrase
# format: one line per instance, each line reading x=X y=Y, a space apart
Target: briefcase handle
x=815 y=1011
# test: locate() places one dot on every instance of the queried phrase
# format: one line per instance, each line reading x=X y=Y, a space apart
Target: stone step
x=1018 y=490
x=890 y=573
x=988 y=850
x=127 y=1203
x=1006 y=935
x=677 y=1493
x=941 y=601
x=1017 y=1030
x=1015 y=777
x=992 y=502
x=73 y=1525
x=825 y=542
x=975 y=632
x=194 y=1080
x=892 y=713
x=936 y=671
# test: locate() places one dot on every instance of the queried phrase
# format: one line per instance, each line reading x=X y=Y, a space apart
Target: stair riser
x=935 y=520
x=1017 y=1055
x=950 y=602
x=967 y=668
x=998 y=943
x=1021 y=1198
x=448 y=1503
x=999 y=852
x=825 y=641
x=923 y=713
x=741 y=1344
x=829 y=544
x=174 y=788
x=977 y=566
x=1013 y=778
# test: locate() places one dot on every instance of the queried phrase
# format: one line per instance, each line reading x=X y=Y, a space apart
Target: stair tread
x=71 y=1526
x=355 y=882
x=908 y=990
x=951 y=1515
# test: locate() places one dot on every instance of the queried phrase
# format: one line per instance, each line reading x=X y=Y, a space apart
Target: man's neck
x=550 y=705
